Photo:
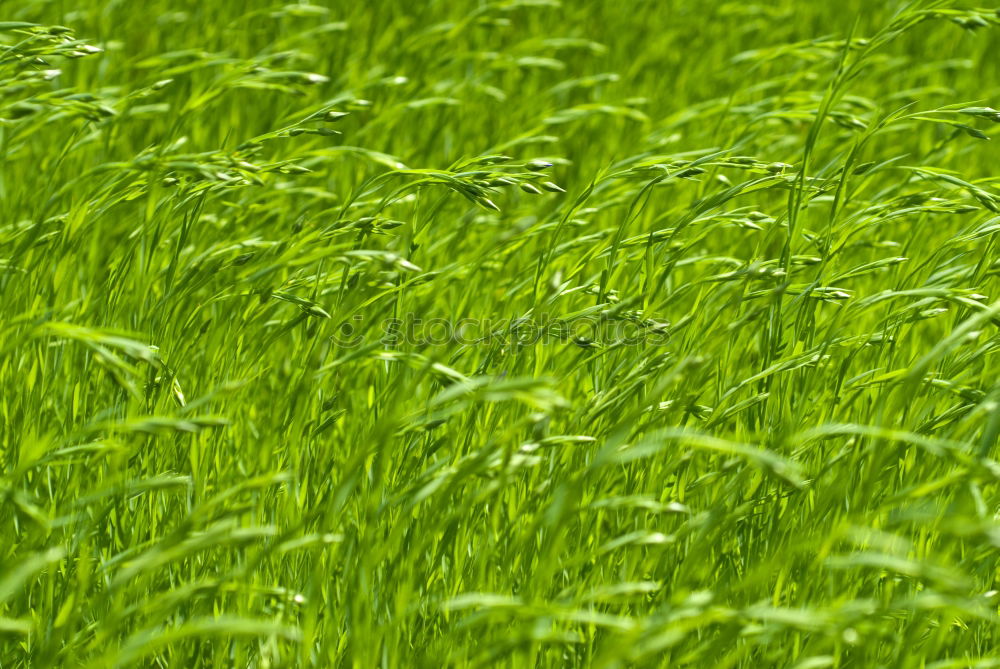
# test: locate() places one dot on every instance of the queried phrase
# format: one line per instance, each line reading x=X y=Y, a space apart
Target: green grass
x=511 y=333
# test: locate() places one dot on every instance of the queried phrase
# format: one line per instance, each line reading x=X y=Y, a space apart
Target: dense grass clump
x=499 y=333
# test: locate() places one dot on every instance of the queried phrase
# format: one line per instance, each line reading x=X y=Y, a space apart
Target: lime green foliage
x=499 y=333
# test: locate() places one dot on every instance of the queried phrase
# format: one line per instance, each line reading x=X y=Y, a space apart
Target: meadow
x=514 y=333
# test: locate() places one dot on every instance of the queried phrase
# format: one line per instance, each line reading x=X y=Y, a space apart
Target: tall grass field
x=499 y=333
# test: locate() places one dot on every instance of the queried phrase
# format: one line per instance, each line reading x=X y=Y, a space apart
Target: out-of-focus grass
x=507 y=333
